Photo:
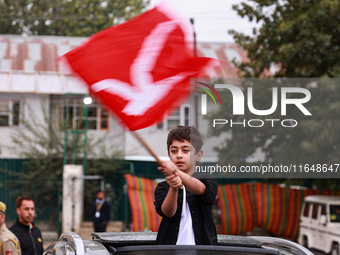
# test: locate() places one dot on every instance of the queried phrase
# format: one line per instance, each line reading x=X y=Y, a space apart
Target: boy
x=183 y=201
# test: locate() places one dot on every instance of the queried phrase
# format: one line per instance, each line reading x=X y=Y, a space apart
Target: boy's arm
x=169 y=206
x=193 y=185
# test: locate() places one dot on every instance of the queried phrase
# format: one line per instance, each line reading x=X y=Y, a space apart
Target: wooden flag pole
x=150 y=150
x=147 y=147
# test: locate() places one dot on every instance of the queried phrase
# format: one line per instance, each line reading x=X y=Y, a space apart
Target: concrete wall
x=73 y=194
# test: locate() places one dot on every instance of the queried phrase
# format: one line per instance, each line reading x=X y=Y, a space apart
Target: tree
x=65 y=17
x=42 y=144
x=302 y=39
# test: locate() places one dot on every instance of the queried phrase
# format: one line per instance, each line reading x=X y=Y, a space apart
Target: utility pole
x=192 y=21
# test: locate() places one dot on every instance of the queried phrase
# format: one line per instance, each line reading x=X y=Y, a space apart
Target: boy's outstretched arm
x=169 y=206
x=193 y=185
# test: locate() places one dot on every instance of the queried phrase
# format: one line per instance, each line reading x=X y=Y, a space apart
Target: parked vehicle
x=320 y=223
x=143 y=243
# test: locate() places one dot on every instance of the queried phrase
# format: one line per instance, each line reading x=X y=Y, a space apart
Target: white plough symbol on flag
x=144 y=93
x=140 y=69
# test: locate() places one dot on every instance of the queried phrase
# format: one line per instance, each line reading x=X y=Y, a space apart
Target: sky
x=212 y=18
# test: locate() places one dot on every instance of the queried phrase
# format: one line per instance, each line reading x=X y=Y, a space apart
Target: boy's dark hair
x=20 y=199
x=188 y=133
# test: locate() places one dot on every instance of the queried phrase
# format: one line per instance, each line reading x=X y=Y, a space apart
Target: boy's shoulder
x=201 y=176
x=162 y=183
x=209 y=181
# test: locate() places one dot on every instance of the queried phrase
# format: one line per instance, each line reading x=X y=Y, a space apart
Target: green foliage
x=43 y=145
x=65 y=17
x=315 y=139
x=301 y=37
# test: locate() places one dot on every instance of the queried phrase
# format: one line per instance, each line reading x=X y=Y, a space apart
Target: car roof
x=322 y=199
x=136 y=238
x=109 y=243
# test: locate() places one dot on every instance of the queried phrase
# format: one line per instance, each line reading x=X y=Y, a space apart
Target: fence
x=240 y=207
x=47 y=193
x=47 y=200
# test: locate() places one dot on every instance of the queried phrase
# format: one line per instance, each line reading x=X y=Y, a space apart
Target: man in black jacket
x=29 y=235
x=101 y=212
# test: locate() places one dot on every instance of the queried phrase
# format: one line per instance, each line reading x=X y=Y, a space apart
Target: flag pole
x=151 y=151
x=147 y=147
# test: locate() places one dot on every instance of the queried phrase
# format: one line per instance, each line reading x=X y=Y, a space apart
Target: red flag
x=142 y=68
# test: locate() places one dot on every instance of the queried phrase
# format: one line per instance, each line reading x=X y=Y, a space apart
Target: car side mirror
x=323 y=219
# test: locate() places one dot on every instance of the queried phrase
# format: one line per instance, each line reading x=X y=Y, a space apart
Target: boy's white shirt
x=186 y=232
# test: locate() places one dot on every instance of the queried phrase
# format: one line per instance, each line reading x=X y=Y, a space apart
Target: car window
x=315 y=211
x=306 y=210
x=334 y=211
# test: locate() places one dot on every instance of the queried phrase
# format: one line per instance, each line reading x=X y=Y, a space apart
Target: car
x=320 y=223
x=144 y=243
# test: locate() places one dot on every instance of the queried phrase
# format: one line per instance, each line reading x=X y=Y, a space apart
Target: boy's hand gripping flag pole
x=140 y=69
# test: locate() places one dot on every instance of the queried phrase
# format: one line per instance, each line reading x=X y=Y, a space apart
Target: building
x=32 y=87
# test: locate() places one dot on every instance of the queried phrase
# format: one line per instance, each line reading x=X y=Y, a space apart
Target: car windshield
x=334 y=213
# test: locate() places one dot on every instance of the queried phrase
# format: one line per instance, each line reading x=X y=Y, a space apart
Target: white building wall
x=40 y=83
x=30 y=109
x=33 y=97
x=155 y=138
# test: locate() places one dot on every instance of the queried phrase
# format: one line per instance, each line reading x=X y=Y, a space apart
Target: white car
x=320 y=223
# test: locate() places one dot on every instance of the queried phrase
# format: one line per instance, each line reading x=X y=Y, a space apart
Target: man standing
x=29 y=235
x=100 y=212
x=9 y=243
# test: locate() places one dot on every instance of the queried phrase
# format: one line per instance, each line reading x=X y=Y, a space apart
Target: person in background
x=101 y=212
x=9 y=243
x=29 y=235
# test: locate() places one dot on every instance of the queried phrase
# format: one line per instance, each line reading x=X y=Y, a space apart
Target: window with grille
x=74 y=114
x=9 y=113
x=178 y=118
